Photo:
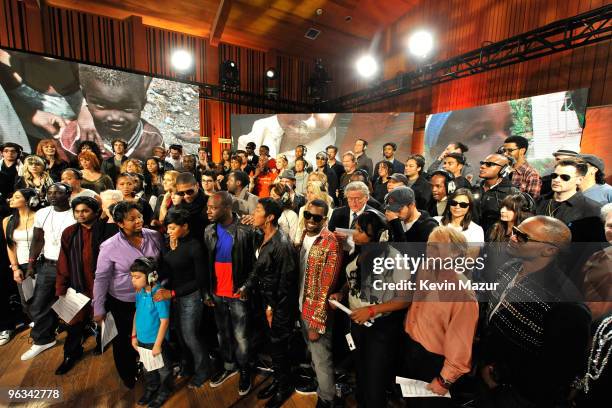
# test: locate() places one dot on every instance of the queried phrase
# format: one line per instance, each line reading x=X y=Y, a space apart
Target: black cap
x=593 y=161
x=398 y=198
x=400 y=178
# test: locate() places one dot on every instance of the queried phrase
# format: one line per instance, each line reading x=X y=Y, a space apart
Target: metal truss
x=234 y=96
x=584 y=29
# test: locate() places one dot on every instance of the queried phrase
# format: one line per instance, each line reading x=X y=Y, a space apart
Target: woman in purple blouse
x=113 y=290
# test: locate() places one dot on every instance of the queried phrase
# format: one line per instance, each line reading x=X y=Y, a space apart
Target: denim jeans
x=190 y=309
x=44 y=318
x=232 y=317
x=159 y=380
x=25 y=305
x=322 y=362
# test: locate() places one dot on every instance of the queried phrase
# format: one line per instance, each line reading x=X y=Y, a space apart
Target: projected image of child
x=115 y=101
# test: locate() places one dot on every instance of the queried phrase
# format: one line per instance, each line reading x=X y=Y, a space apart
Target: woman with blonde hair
x=282 y=164
x=131 y=166
x=35 y=175
x=314 y=191
x=93 y=178
x=47 y=149
x=164 y=201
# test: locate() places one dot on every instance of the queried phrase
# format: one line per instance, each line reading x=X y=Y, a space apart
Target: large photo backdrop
x=42 y=98
x=282 y=132
x=550 y=122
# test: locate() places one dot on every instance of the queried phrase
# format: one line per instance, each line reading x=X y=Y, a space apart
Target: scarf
x=75 y=255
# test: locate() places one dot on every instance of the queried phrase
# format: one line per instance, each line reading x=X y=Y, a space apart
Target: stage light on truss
x=181 y=60
x=367 y=66
x=421 y=43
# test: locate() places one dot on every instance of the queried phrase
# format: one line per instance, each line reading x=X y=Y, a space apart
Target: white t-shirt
x=473 y=234
x=53 y=223
x=306 y=245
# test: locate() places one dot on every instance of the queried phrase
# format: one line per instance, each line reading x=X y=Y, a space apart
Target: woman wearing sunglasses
x=458 y=215
x=376 y=345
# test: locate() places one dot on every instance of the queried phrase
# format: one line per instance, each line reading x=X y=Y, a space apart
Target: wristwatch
x=444 y=383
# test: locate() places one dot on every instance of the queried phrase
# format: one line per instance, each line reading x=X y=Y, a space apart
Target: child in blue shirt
x=150 y=329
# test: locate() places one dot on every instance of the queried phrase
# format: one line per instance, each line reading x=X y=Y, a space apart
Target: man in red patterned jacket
x=320 y=262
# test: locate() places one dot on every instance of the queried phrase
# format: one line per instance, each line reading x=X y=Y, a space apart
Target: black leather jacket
x=275 y=271
x=243 y=253
x=488 y=203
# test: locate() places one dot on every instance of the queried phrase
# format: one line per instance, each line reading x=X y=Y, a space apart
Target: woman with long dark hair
x=19 y=232
x=288 y=221
x=113 y=291
x=459 y=213
x=376 y=345
x=514 y=209
x=47 y=149
x=380 y=185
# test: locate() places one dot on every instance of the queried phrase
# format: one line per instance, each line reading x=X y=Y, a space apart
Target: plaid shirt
x=322 y=270
x=527 y=179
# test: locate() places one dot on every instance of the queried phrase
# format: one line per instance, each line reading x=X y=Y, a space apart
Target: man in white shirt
x=49 y=223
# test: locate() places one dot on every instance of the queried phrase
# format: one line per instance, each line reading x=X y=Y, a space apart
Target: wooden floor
x=93 y=382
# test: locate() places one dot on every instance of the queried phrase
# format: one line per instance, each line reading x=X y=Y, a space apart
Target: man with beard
x=275 y=270
x=191 y=198
x=244 y=202
x=49 y=224
x=76 y=267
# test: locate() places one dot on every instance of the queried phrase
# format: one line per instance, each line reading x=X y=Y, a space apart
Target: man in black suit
x=357 y=195
x=363 y=161
x=397 y=166
x=406 y=222
x=332 y=163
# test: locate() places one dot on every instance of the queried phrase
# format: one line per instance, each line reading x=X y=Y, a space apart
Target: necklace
x=600 y=352
x=549 y=210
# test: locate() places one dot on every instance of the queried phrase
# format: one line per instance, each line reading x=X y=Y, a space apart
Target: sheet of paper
x=109 y=330
x=346 y=231
x=416 y=388
x=27 y=286
x=348 y=245
x=149 y=361
x=69 y=305
x=346 y=310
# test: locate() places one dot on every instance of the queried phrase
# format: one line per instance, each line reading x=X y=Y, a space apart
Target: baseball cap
x=400 y=178
x=593 y=161
x=398 y=198
x=288 y=174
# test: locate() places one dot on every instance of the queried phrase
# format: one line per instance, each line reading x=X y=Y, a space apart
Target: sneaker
x=244 y=384
x=36 y=350
x=220 y=378
x=5 y=336
x=307 y=388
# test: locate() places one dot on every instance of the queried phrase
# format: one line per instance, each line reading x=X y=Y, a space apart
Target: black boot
x=67 y=364
x=147 y=396
x=280 y=397
x=268 y=391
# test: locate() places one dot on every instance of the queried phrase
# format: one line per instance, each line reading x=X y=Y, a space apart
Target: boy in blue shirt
x=149 y=331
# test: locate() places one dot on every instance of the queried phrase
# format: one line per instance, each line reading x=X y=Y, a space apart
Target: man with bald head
x=493 y=188
x=536 y=327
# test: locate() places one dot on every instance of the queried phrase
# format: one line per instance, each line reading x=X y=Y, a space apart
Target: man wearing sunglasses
x=491 y=191
x=536 y=326
x=566 y=203
x=190 y=197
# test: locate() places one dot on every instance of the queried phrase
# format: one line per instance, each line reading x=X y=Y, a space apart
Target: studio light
x=229 y=75
x=420 y=44
x=271 y=73
x=181 y=60
x=367 y=66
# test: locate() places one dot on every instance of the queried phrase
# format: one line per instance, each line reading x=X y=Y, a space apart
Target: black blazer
x=341 y=217
x=422 y=193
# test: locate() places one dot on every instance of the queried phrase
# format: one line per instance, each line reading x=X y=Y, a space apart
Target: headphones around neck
x=506 y=170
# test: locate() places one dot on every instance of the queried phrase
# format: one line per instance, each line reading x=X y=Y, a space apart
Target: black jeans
x=159 y=380
x=45 y=319
x=376 y=358
x=189 y=310
x=278 y=335
x=420 y=364
x=232 y=316
x=73 y=345
x=124 y=354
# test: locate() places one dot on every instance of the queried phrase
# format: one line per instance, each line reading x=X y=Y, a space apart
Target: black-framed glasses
x=564 y=177
x=490 y=164
x=454 y=203
x=523 y=237
x=189 y=192
x=508 y=150
x=316 y=217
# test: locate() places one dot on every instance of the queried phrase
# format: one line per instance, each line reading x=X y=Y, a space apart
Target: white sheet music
x=348 y=245
x=109 y=330
x=69 y=305
x=27 y=286
x=416 y=388
x=346 y=310
x=149 y=361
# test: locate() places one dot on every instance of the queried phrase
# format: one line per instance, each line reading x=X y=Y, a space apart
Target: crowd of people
x=220 y=267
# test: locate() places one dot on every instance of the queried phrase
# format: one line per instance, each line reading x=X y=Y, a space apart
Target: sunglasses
x=454 y=203
x=189 y=192
x=320 y=158
x=316 y=217
x=564 y=177
x=490 y=164
x=523 y=237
